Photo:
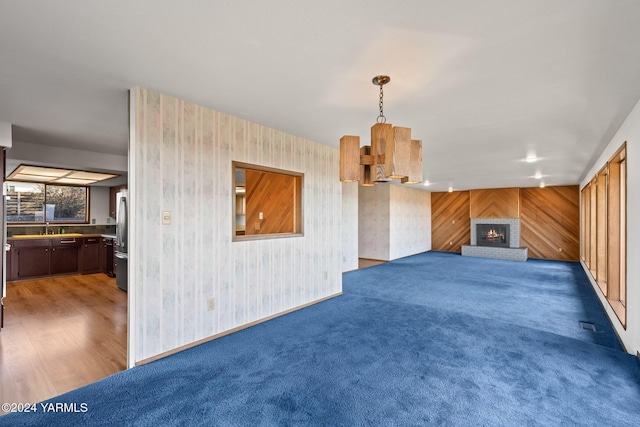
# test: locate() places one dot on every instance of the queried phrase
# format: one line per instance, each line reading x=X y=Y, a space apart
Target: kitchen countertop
x=58 y=236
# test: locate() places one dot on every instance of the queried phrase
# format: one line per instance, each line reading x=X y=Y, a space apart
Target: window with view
x=29 y=202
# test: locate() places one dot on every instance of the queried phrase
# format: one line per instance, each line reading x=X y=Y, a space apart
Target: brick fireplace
x=499 y=238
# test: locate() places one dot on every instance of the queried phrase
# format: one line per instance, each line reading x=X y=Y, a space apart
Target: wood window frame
x=604 y=231
x=585 y=218
x=601 y=228
x=45 y=220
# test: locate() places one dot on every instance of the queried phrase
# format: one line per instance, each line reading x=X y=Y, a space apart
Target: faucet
x=46 y=229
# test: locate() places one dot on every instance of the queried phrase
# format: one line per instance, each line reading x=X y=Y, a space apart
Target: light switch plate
x=166 y=217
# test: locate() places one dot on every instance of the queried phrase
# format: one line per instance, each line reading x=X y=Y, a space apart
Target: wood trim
x=613 y=230
x=592 y=227
x=601 y=228
x=617 y=226
x=585 y=218
x=243 y=165
x=231 y=331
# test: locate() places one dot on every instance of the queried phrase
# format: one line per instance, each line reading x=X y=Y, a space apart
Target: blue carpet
x=391 y=352
x=549 y=296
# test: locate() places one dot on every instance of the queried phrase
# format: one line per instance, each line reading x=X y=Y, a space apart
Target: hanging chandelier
x=392 y=153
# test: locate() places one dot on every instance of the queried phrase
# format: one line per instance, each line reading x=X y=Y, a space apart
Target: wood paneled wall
x=494 y=203
x=450 y=221
x=550 y=222
x=273 y=195
x=549 y=218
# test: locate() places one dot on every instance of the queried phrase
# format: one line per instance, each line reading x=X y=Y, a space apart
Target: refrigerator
x=5 y=247
x=121 y=252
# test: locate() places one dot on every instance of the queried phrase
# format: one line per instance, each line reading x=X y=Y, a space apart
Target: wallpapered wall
x=410 y=221
x=394 y=221
x=373 y=222
x=182 y=156
x=349 y=226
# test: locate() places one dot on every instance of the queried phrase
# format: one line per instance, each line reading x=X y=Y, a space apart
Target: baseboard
x=231 y=331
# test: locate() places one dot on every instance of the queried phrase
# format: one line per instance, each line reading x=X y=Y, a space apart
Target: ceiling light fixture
x=392 y=153
x=538 y=175
x=57 y=175
x=531 y=158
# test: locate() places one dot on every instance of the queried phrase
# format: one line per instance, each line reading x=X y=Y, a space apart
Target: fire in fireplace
x=495 y=235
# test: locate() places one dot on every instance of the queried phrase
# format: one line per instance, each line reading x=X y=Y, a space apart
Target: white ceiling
x=482 y=83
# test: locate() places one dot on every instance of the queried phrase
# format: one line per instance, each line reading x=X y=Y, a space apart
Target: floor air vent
x=588 y=326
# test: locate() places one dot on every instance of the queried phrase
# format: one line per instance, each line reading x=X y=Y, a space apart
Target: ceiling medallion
x=392 y=153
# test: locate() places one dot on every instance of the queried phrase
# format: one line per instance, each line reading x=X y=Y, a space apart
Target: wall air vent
x=588 y=326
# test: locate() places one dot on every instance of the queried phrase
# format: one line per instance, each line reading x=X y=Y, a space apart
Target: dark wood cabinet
x=33 y=262
x=65 y=254
x=91 y=255
x=31 y=258
x=41 y=257
x=113 y=191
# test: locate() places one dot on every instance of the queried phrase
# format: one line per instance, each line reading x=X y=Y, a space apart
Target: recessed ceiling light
x=542 y=185
x=427 y=183
x=538 y=175
x=531 y=158
x=450 y=189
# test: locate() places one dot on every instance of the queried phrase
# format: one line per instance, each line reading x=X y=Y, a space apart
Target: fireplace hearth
x=492 y=235
x=497 y=238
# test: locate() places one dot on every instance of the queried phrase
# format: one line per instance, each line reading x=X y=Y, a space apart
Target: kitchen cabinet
x=113 y=191
x=91 y=255
x=64 y=255
x=41 y=257
x=31 y=258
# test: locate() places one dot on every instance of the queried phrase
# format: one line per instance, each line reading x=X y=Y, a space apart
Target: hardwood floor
x=59 y=334
x=366 y=262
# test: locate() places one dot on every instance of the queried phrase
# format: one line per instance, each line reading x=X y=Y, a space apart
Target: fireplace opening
x=495 y=235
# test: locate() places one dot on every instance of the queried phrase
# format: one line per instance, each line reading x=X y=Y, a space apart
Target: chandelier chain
x=381 y=118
